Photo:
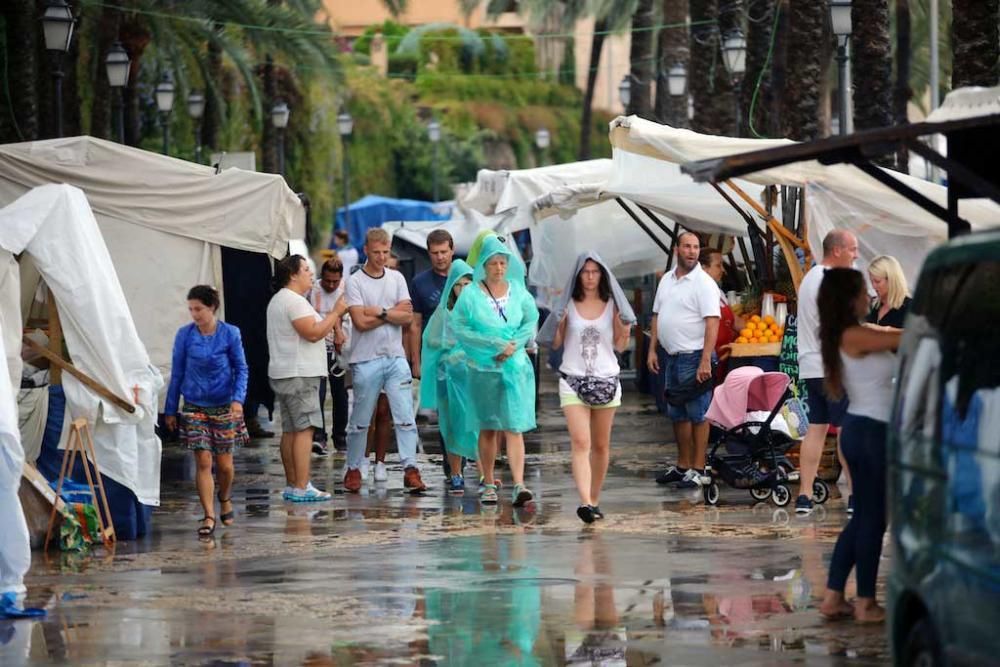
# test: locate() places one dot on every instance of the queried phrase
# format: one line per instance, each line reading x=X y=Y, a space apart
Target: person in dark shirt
x=892 y=299
x=426 y=288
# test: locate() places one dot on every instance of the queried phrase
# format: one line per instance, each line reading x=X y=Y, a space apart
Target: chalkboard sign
x=788 y=358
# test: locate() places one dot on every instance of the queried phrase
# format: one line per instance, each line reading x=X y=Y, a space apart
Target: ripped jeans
x=392 y=375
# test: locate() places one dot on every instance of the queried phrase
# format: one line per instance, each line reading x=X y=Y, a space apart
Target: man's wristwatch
x=384 y=314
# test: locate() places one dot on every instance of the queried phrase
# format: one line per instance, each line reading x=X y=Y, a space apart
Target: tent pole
x=659 y=223
x=786 y=239
x=59 y=363
x=643 y=226
x=55 y=337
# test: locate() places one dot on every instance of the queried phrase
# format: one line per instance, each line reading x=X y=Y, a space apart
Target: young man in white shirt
x=380 y=306
x=686 y=323
x=840 y=250
x=328 y=294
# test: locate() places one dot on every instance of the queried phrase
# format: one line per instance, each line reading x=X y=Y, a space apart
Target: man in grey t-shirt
x=380 y=306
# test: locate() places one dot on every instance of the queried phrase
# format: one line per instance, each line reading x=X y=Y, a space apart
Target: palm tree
x=673 y=51
x=711 y=89
x=641 y=60
x=871 y=64
x=975 y=44
x=902 y=92
x=762 y=107
x=805 y=71
x=19 y=115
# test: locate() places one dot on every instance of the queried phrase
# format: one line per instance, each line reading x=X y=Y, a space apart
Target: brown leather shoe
x=412 y=481
x=255 y=430
x=352 y=481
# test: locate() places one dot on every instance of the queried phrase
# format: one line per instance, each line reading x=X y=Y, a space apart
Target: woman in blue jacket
x=210 y=370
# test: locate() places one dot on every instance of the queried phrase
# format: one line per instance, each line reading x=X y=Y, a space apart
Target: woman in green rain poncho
x=493 y=320
x=443 y=369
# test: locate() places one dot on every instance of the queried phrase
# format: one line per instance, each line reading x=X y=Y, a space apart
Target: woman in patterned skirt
x=210 y=370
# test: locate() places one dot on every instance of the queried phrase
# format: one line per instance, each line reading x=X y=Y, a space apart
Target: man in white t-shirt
x=328 y=294
x=686 y=323
x=380 y=306
x=840 y=251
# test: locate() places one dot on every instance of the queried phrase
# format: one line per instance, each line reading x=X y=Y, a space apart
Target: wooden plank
x=55 y=337
x=756 y=349
x=94 y=385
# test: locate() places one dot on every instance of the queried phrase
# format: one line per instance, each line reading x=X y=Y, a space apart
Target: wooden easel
x=80 y=441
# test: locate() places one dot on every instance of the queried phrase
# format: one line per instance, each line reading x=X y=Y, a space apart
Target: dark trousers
x=339 y=413
x=862 y=441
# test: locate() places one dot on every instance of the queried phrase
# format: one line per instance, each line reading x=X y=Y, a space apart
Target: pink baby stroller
x=755 y=457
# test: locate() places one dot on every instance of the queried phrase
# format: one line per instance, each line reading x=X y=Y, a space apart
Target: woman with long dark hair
x=592 y=323
x=210 y=371
x=858 y=361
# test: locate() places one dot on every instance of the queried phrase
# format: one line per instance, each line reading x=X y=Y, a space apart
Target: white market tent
x=54 y=226
x=836 y=196
x=163 y=220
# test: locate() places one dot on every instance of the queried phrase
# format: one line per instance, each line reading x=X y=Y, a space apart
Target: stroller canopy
x=746 y=389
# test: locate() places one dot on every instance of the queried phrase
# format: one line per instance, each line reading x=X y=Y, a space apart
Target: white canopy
x=163 y=220
x=54 y=225
x=555 y=243
x=838 y=196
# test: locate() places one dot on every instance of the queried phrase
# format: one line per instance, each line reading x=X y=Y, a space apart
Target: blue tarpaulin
x=373 y=210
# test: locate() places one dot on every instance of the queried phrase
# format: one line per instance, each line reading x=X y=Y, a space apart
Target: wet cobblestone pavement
x=385 y=578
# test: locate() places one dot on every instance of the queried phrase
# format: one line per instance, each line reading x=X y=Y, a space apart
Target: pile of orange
x=761 y=330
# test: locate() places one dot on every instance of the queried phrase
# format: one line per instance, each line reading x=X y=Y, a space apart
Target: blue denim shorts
x=678 y=370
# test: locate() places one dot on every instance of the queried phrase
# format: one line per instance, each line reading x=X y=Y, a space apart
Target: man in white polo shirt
x=686 y=323
x=840 y=250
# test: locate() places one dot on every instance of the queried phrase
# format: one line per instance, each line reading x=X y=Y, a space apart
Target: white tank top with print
x=589 y=345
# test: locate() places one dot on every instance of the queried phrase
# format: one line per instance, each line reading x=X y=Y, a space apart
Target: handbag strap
x=495 y=302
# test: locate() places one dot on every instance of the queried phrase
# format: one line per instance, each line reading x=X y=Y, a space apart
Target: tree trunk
x=975 y=43
x=641 y=59
x=902 y=93
x=269 y=141
x=586 y=120
x=800 y=108
x=713 y=108
x=673 y=50
x=759 y=114
x=100 y=110
x=871 y=67
x=19 y=99
x=214 y=101
x=135 y=37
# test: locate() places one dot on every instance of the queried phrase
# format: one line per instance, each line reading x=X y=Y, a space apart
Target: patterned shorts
x=214 y=430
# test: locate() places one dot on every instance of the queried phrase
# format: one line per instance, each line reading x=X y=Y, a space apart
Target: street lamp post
x=734 y=55
x=117 y=65
x=345 y=126
x=196 y=109
x=165 y=104
x=625 y=91
x=279 y=118
x=542 y=140
x=677 y=87
x=434 y=134
x=57 y=24
x=840 y=18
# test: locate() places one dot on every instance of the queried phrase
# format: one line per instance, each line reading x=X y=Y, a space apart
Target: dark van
x=944 y=463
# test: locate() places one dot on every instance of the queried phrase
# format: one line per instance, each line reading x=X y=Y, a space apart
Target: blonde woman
x=892 y=299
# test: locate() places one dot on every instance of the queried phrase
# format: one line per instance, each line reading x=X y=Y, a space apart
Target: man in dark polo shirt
x=426 y=288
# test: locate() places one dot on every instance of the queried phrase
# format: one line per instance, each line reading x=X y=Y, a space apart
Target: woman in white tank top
x=590 y=331
x=858 y=360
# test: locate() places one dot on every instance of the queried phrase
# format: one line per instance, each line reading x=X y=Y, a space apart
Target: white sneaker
x=309 y=495
x=692 y=479
x=287 y=492
x=381 y=474
x=365 y=469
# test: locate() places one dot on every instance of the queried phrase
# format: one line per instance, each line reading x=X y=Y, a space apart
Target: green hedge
x=512 y=91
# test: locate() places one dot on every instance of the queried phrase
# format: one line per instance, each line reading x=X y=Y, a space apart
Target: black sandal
x=206 y=531
x=227 y=517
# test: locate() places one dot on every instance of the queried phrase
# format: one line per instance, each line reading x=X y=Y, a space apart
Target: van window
x=970 y=401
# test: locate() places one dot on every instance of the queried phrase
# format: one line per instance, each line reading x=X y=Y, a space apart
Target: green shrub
x=403 y=66
x=392 y=32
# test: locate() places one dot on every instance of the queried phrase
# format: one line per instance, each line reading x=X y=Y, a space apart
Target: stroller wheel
x=711 y=493
x=760 y=494
x=821 y=492
x=780 y=495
